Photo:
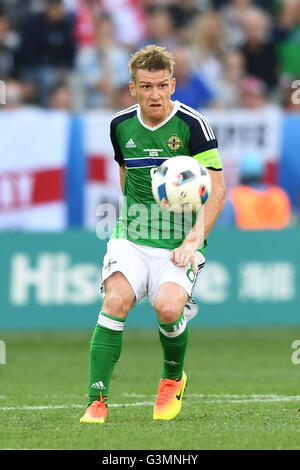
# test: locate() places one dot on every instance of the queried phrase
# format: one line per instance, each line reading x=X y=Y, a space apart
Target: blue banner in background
x=52 y=281
x=289 y=163
x=76 y=173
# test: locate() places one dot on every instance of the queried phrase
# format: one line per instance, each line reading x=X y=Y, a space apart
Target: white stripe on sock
x=110 y=323
x=178 y=329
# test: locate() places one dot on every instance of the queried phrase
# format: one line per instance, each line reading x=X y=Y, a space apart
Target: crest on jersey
x=109 y=264
x=174 y=142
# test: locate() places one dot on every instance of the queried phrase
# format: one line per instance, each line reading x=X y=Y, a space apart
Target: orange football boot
x=96 y=412
x=169 y=398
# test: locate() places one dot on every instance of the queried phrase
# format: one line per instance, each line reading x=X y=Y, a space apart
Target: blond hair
x=151 y=58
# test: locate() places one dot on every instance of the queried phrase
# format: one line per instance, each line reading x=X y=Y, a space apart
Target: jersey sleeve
x=118 y=156
x=203 y=144
x=210 y=159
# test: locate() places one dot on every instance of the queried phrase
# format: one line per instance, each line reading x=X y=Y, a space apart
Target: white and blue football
x=181 y=184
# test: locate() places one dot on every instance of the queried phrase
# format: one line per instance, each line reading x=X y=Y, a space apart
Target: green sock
x=174 y=339
x=105 y=350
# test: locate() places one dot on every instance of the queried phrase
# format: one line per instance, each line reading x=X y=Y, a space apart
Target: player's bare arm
x=122 y=177
x=185 y=253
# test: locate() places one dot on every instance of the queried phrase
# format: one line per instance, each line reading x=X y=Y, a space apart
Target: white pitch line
x=233 y=397
x=59 y=407
x=221 y=398
x=244 y=398
x=254 y=400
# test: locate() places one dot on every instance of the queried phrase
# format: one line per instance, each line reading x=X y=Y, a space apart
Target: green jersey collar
x=150 y=128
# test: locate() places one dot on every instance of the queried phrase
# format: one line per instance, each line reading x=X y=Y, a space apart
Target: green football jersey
x=139 y=148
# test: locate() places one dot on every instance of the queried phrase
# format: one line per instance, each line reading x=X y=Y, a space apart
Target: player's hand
x=183 y=255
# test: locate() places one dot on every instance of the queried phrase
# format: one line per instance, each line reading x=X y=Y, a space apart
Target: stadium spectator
x=161 y=29
x=86 y=22
x=60 y=97
x=122 y=98
x=104 y=68
x=190 y=89
x=183 y=13
x=252 y=93
x=71 y=6
x=129 y=20
x=14 y=95
x=232 y=15
x=16 y=10
x=258 y=206
x=227 y=89
x=286 y=35
x=207 y=32
x=268 y=5
x=217 y=4
x=8 y=59
x=47 y=48
x=259 y=52
x=207 y=46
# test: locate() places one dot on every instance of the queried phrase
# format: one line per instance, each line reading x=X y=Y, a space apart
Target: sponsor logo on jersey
x=130 y=144
x=174 y=142
x=153 y=152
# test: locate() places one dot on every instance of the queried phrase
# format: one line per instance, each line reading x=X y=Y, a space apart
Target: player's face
x=153 y=90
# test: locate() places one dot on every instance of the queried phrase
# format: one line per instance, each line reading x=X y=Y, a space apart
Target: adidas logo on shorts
x=130 y=144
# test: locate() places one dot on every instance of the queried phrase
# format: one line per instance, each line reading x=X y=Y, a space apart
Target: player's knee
x=168 y=312
x=116 y=304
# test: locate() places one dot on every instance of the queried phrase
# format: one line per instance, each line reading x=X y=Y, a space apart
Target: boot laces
x=100 y=403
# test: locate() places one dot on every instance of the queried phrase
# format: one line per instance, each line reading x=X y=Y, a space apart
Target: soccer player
x=141 y=260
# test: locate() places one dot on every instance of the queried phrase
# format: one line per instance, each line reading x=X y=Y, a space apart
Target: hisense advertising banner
x=52 y=281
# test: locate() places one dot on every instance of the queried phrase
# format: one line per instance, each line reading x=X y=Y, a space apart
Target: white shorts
x=146 y=268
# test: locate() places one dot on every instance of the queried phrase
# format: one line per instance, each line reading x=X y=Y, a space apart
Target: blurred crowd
x=73 y=54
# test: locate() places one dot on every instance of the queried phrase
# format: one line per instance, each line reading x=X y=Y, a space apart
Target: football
x=181 y=184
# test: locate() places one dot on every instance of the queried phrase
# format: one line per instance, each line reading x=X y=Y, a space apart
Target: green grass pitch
x=243 y=392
